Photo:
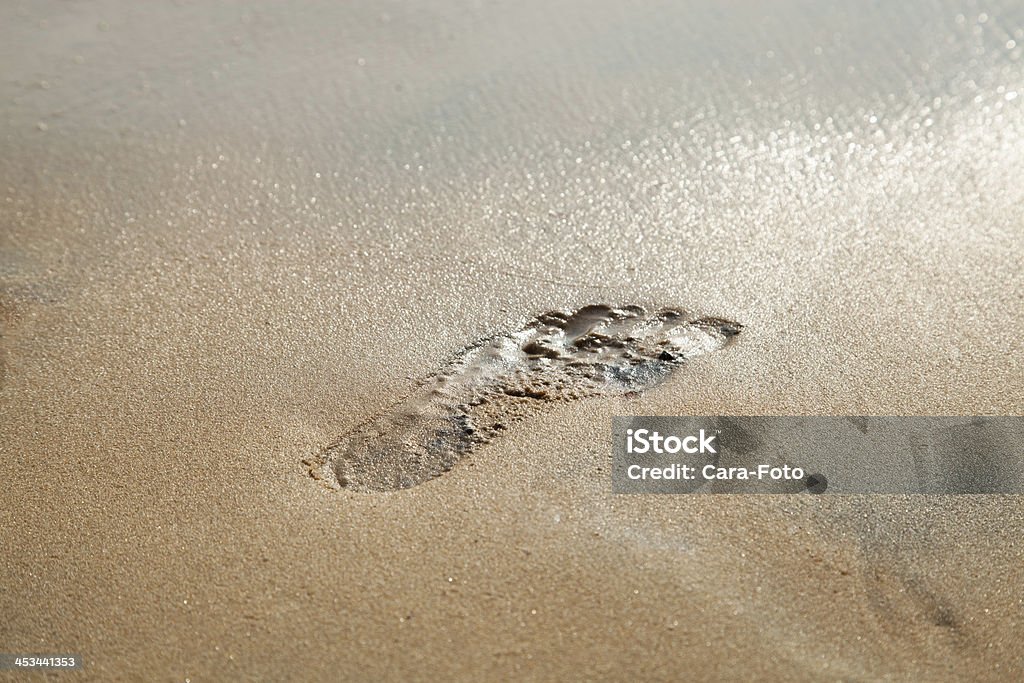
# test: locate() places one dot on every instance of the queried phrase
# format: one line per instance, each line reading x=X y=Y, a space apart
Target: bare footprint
x=495 y=383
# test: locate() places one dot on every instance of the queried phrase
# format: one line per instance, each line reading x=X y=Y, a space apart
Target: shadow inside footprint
x=489 y=386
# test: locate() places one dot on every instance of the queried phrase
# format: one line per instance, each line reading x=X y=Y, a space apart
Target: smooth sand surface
x=230 y=233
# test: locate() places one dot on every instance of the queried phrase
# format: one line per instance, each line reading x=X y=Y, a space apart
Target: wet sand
x=231 y=234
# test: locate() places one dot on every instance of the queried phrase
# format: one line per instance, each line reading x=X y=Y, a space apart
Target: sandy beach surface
x=231 y=232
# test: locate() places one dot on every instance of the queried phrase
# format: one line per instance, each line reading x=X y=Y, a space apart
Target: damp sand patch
x=498 y=382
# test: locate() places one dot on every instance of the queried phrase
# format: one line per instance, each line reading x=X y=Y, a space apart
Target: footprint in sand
x=491 y=385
